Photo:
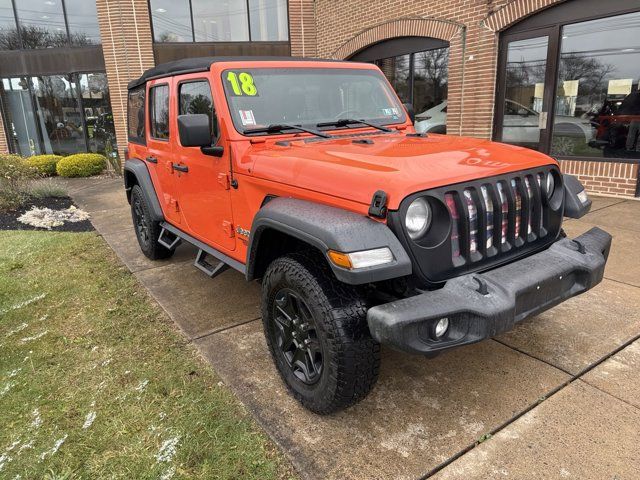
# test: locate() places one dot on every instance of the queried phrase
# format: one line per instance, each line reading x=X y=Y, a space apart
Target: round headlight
x=551 y=185
x=418 y=218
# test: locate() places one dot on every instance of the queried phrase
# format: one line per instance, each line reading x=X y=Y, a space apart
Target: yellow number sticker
x=242 y=84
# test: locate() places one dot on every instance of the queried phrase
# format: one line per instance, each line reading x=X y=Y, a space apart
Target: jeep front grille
x=490 y=221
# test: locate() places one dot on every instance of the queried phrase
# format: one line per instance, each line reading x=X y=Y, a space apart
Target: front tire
x=147 y=230
x=317 y=333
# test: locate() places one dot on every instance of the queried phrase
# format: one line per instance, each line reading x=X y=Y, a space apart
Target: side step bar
x=171 y=236
x=168 y=240
x=210 y=270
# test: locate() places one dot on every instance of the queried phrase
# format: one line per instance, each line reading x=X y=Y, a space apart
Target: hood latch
x=378 y=207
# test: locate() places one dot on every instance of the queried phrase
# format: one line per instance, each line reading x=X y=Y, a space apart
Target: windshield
x=261 y=97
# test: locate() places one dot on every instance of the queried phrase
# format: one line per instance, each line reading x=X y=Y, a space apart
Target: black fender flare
x=573 y=206
x=329 y=228
x=138 y=169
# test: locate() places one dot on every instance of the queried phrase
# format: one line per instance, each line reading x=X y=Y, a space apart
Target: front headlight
x=418 y=218
x=551 y=185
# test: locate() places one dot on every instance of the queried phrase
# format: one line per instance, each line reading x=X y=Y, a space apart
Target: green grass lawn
x=96 y=382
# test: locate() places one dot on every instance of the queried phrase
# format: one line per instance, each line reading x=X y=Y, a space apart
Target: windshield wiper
x=280 y=127
x=344 y=122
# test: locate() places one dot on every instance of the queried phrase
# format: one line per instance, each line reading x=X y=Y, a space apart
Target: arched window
x=417 y=68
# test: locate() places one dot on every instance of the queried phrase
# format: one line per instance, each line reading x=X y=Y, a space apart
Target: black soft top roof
x=202 y=64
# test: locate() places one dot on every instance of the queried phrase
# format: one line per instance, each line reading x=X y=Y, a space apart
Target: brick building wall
x=125 y=29
x=4 y=146
x=472 y=28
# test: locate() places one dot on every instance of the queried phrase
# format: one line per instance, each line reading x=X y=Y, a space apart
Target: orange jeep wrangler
x=308 y=175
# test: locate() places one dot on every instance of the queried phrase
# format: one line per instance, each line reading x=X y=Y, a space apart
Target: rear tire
x=147 y=230
x=317 y=333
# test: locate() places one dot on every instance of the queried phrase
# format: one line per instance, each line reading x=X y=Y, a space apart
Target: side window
x=194 y=98
x=159 y=111
x=135 y=114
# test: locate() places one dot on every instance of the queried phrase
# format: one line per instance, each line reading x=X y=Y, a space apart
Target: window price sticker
x=247 y=118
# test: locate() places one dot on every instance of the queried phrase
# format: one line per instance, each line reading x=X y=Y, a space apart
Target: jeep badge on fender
x=308 y=175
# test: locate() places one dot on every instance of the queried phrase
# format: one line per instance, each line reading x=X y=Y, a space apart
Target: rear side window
x=135 y=114
x=194 y=98
x=159 y=111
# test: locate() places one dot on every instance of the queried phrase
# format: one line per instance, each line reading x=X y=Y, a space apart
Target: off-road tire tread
x=352 y=349
x=153 y=251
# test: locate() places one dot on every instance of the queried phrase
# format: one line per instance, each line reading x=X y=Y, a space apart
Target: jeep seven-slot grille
x=487 y=219
x=483 y=223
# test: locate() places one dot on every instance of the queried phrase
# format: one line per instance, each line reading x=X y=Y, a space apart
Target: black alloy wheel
x=140 y=220
x=296 y=336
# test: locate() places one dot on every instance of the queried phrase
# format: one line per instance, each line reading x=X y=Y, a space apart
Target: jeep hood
x=354 y=167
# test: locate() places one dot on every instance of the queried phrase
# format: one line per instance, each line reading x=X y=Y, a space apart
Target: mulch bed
x=9 y=220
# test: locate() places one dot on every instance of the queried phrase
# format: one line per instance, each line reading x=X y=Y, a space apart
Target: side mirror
x=195 y=130
x=412 y=114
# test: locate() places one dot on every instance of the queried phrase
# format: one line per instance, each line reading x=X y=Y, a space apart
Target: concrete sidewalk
x=557 y=397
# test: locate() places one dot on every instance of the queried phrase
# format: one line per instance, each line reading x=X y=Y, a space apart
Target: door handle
x=180 y=168
x=152 y=159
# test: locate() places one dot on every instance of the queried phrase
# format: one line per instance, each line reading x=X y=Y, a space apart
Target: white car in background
x=433 y=120
x=520 y=126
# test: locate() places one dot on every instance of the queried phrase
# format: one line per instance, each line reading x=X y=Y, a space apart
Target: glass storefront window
x=42 y=23
x=82 y=19
x=220 y=21
x=268 y=20
x=171 y=21
x=597 y=104
x=422 y=79
x=98 y=118
x=60 y=114
x=524 y=91
x=19 y=116
x=8 y=33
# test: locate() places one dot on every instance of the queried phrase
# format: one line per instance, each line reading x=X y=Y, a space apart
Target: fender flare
x=139 y=170
x=326 y=228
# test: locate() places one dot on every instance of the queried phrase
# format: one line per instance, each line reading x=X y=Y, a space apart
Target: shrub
x=15 y=175
x=45 y=164
x=46 y=187
x=81 y=165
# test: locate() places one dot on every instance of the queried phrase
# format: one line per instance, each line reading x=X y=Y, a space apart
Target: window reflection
x=8 y=33
x=60 y=114
x=524 y=91
x=421 y=79
x=96 y=105
x=171 y=21
x=82 y=19
x=268 y=20
x=41 y=23
x=597 y=100
x=220 y=21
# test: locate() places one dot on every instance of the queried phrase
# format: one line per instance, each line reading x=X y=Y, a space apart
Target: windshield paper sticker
x=241 y=83
x=390 y=112
x=247 y=118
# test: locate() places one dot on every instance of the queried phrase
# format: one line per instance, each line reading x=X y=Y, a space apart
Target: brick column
x=127 y=44
x=302 y=28
x=4 y=147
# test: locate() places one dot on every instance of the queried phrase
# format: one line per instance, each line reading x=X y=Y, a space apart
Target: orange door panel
x=202 y=180
x=159 y=147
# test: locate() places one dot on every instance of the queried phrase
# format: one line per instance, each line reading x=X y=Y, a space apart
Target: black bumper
x=482 y=305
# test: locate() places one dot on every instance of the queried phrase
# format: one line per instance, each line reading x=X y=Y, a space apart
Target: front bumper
x=482 y=305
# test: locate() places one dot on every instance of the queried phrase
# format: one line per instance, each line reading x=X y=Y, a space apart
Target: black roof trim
x=202 y=64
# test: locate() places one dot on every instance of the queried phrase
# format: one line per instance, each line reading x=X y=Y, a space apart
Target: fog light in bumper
x=441 y=327
x=362 y=259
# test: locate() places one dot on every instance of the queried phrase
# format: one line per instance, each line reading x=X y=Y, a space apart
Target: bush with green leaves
x=81 y=165
x=15 y=175
x=45 y=164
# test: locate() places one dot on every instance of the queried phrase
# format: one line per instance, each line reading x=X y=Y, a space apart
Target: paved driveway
x=559 y=396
